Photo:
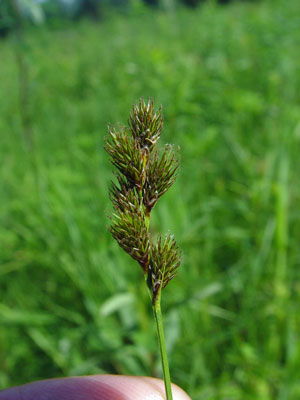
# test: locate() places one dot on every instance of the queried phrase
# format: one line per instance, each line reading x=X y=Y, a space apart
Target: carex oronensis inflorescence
x=143 y=176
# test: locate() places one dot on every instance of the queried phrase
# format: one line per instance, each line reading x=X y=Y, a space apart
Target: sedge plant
x=143 y=177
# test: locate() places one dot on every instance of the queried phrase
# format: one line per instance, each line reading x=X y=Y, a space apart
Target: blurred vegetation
x=71 y=302
x=59 y=11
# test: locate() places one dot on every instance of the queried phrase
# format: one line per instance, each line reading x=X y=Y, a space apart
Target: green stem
x=160 y=334
x=162 y=347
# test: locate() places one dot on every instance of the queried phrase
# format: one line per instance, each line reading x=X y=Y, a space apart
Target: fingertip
x=10 y=394
x=96 y=387
x=159 y=386
x=140 y=387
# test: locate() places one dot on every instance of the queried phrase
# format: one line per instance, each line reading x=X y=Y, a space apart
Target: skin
x=97 y=387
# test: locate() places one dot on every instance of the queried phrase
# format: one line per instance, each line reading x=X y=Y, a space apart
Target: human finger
x=96 y=387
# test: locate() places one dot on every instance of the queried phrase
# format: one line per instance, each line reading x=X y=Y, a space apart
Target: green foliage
x=11 y=10
x=228 y=78
x=6 y=17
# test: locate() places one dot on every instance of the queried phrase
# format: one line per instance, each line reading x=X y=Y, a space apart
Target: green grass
x=71 y=302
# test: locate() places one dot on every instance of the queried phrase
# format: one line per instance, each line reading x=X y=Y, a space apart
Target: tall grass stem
x=162 y=347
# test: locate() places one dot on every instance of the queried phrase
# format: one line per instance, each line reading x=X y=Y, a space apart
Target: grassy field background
x=71 y=302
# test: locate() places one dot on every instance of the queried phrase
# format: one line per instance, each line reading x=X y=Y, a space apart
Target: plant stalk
x=162 y=347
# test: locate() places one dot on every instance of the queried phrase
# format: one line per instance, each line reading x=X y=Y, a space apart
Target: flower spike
x=143 y=176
